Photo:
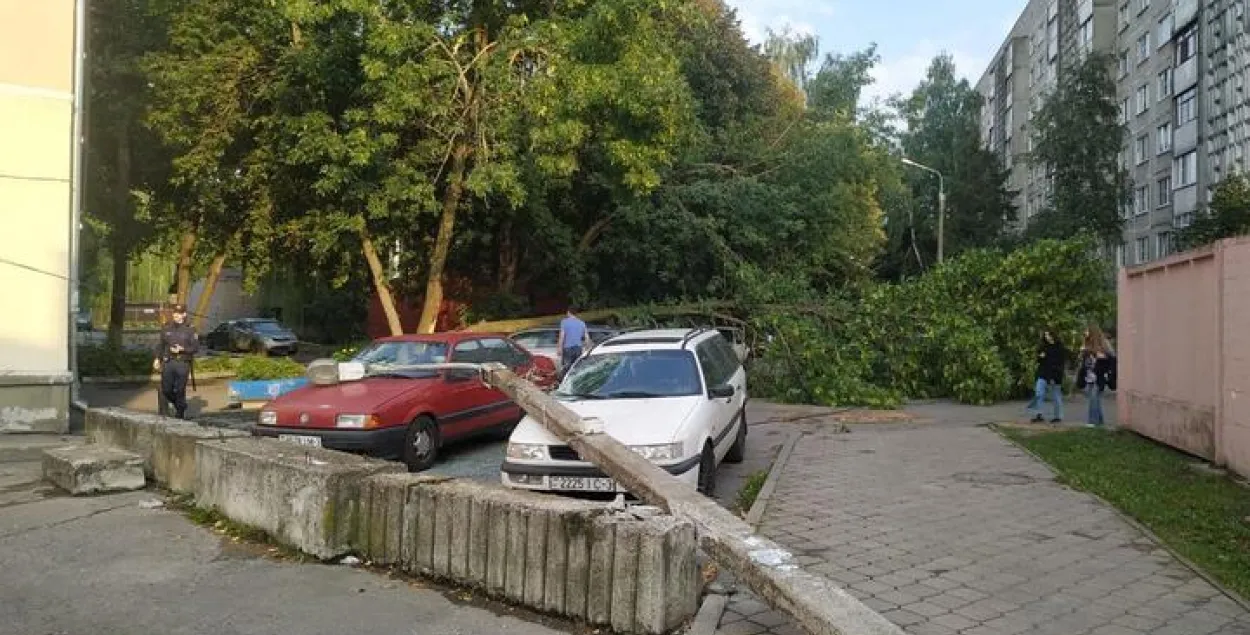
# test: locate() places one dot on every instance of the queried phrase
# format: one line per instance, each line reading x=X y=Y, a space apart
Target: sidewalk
x=945 y=527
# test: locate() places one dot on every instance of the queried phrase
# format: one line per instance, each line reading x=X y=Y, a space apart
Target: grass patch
x=750 y=491
x=1203 y=516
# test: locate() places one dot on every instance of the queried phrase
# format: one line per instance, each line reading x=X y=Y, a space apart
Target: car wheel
x=707 y=471
x=421 y=444
x=737 y=451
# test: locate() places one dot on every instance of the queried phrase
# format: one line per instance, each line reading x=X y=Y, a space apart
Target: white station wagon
x=676 y=397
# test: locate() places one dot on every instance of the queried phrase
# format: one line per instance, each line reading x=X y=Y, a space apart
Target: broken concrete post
x=92 y=469
x=770 y=570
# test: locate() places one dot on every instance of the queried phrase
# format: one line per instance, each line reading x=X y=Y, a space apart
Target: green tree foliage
x=793 y=52
x=1227 y=215
x=943 y=117
x=1078 y=138
x=967 y=330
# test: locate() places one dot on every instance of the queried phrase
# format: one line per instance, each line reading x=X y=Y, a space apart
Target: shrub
x=347 y=352
x=967 y=330
x=216 y=364
x=259 y=368
x=105 y=361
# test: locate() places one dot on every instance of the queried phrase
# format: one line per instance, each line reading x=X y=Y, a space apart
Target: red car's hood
x=365 y=396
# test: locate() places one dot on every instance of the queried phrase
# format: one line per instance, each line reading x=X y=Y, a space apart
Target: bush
x=967 y=330
x=216 y=364
x=348 y=352
x=260 y=368
x=105 y=361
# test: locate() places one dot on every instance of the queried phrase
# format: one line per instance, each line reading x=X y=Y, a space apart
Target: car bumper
x=283 y=348
x=560 y=477
x=382 y=442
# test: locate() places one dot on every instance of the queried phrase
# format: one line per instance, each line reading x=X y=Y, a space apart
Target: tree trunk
x=117 y=297
x=509 y=259
x=185 y=250
x=442 y=244
x=593 y=234
x=206 y=295
x=379 y=284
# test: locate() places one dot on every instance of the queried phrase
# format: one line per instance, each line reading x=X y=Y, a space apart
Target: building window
x=1182 y=221
x=1163 y=193
x=1124 y=111
x=1143 y=250
x=1141 y=99
x=1164 y=85
x=1143 y=47
x=1185 y=170
x=1186 y=45
x=1186 y=107
x=1163 y=244
x=1164 y=141
x=1123 y=64
x=1141 y=200
x=1140 y=150
x=1164 y=34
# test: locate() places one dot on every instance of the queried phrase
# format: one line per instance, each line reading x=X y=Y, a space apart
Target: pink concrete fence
x=1184 y=347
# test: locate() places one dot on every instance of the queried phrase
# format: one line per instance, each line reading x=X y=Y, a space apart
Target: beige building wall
x=36 y=157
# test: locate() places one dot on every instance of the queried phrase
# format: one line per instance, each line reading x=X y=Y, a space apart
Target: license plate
x=583 y=484
x=300 y=439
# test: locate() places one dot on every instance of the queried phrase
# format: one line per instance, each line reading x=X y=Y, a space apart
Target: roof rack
x=691 y=335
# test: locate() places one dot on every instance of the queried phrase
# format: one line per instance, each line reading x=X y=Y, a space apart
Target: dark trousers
x=174 y=374
x=569 y=355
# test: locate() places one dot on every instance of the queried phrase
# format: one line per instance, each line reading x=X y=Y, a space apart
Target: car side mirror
x=723 y=391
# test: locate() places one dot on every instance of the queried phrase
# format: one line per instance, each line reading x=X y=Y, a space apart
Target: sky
x=908 y=33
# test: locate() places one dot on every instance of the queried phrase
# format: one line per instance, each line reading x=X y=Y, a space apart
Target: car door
x=499 y=407
x=467 y=395
x=721 y=410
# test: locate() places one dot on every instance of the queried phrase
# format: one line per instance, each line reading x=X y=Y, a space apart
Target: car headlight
x=351 y=421
x=665 y=452
x=529 y=451
x=268 y=418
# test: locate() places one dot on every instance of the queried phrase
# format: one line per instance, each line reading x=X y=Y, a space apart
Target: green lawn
x=1204 y=516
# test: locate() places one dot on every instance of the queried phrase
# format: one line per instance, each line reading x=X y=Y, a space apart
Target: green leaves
x=1227 y=215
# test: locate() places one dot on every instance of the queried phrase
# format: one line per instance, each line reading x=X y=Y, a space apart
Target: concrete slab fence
x=1184 y=352
x=633 y=571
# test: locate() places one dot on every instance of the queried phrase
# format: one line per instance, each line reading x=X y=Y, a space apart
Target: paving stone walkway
x=951 y=529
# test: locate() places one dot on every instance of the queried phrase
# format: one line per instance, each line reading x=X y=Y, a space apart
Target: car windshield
x=632 y=375
x=267 y=326
x=389 y=358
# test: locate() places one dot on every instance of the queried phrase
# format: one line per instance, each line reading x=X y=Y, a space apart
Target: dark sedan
x=252 y=335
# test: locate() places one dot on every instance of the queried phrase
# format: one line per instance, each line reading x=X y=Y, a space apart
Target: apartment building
x=1048 y=35
x=37 y=158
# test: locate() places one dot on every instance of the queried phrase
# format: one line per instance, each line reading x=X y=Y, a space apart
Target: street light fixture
x=941 y=233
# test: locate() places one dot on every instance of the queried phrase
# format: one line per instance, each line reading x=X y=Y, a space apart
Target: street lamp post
x=941 y=232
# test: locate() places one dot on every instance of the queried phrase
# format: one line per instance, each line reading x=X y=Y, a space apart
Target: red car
x=407 y=414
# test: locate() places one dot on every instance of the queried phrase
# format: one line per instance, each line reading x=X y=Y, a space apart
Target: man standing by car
x=573 y=339
x=174 y=354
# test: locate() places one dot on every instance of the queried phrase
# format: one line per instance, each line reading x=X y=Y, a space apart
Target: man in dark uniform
x=174 y=354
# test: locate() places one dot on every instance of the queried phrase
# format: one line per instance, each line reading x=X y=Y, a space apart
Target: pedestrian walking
x=574 y=338
x=1095 y=373
x=174 y=355
x=1051 y=361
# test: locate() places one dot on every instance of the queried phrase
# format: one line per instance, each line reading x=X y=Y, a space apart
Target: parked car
x=677 y=397
x=542 y=340
x=252 y=335
x=408 y=414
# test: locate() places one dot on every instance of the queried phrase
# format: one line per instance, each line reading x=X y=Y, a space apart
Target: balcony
x=1184 y=201
x=1185 y=138
x=1186 y=11
x=1185 y=76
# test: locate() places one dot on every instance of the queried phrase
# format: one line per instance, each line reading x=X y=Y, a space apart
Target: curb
x=707 y=620
x=146 y=379
x=1132 y=522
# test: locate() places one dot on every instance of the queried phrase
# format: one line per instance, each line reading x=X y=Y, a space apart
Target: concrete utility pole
x=941 y=230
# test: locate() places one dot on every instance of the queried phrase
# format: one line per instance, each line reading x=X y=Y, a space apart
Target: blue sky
x=908 y=33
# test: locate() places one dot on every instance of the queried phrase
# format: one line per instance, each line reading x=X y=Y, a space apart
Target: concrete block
x=479 y=540
x=514 y=581
x=600 y=571
x=556 y=564
x=535 y=557
x=683 y=581
x=308 y=498
x=166 y=445
x=424 y=535
x=651 y=579
x=93 y=470
x=577 y=566
x=412 y=520
x=459 y=503
x=625 y=576
x=498 y=512
x=440 y=565
x=384 y=506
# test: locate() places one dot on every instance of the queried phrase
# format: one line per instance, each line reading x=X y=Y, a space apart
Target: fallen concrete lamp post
x=770 y=570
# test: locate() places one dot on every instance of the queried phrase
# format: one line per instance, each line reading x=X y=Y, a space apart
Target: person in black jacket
x=174 y=355
x=1096 y=372
x=1051 y=360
